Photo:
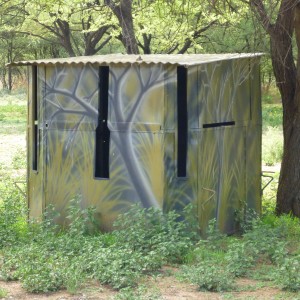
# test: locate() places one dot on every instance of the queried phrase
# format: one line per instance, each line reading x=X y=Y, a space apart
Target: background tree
x=123 y=11
x=80 y=27
x=281 y=21
x=160 y=26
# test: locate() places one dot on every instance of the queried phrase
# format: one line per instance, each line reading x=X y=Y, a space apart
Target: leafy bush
x=152 y=231
x=140 y=293
x=3 y=293
x=209 y=276
x=241 y=256
x=13 y=213
x=56 y=258
x=288 y=274
x=203 y=252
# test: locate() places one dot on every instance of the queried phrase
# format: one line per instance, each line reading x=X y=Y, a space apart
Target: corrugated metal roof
x=174 y=59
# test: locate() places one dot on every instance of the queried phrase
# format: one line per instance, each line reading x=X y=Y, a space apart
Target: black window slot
x=34 y=120
x=182 y=121
x=102 y=130
x=221 y=124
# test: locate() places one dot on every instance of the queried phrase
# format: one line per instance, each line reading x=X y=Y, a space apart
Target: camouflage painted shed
x=159 y=130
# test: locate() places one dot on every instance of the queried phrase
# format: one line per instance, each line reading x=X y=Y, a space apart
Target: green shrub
x=42 y=277
x=288 y=274
x=289 y=226
x=140 y=293
x=152 y=231
x=208 y=276
x=81 y=221
x=3 y=293
x=241 y=256
x=202 y=252
x=13 y=213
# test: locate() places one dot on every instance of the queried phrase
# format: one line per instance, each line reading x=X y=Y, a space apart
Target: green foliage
x=209 y=276
x=272 y=140
x=271 y=97
x=150 y=230
x=140 y=293
x=13 y=111
x=41 y=271
x=263 y=272
x=45 y=257
x=82 y=221
x=54 y=258
x=271 y=241
x=204 y=252
x=19 y=160
x=3 y=293
x=13 y=213
x=241 y=256
x=288 y=274
x=272 y=146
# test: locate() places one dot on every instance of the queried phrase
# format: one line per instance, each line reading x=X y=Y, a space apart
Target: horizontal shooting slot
x=221 y=124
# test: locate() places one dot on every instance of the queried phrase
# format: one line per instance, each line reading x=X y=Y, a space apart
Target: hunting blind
x=160 y=130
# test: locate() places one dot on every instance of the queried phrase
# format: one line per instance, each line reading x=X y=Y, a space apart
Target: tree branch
x=196 y=34
x=259 y=9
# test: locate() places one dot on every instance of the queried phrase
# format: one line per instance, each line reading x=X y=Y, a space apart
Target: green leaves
x=48 y=259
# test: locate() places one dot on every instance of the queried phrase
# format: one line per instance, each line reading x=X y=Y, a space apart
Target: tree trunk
x=287 y=79
x=288 y=195
x=123 y=12
x=9 y=60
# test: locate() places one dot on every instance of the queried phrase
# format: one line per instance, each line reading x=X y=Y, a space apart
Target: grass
x=272 y=139
x=13 y=113
x=272 y=146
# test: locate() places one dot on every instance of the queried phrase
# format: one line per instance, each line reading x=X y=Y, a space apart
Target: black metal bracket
x=267 y=176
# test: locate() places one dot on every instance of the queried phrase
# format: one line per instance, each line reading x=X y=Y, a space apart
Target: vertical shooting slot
x=102 y=130
x=34 y=124
x=182 y=121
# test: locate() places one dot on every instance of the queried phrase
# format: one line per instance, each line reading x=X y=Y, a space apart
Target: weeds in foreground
x=273 y=242
x=3 y=293
x=46 y=258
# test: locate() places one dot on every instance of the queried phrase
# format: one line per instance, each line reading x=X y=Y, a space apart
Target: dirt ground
x=9 y=146
x=165 y=288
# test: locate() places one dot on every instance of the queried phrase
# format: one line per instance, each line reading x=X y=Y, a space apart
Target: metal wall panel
x=136 y=96
x=180 y=192
x=224 y=92
x=253 y=167
x=222 y=177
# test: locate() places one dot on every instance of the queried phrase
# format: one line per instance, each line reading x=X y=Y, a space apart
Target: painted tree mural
x=223 y=129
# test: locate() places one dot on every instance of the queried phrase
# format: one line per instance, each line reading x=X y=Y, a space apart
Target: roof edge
x=108 y=59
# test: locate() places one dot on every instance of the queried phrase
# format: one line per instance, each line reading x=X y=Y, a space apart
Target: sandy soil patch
x=10 y=145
